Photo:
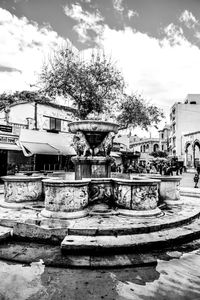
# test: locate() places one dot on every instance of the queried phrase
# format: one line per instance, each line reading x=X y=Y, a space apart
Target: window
x=162 y=147
x=162 y=136
x=54 y=124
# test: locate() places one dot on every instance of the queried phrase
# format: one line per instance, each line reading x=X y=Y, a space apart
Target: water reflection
x=178 y=278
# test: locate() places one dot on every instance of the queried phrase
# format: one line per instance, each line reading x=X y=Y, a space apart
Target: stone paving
x=97 y=240
x=101 y=240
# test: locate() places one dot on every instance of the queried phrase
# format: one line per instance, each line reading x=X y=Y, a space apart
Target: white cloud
x=162 y=71
x=132 y=13
x=86 y=21
x=23 y=46
x=188 y=19
x=118 y=5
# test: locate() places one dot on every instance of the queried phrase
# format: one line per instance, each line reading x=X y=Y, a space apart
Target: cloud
x=87 y=23
x=117 y=4
x=188 y=19
x=162 y=70
x=23 y=46
x=132 y=13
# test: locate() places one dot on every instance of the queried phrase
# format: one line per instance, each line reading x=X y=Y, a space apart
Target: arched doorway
x=196 y=153
x=188 y=155
x=155 y=147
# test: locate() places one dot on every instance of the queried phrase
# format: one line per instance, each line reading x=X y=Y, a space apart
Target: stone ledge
x=26 y=252
x=125 y=243
x=5 y=233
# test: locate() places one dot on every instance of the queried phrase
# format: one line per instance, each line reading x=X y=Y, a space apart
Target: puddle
x=174 y=279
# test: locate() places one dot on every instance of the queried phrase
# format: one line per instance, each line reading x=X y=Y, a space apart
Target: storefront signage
x=6 y=128
x=7 y=139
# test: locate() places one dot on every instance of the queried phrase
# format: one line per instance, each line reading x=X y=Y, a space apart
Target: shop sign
x=7 y=139
x=5 y=128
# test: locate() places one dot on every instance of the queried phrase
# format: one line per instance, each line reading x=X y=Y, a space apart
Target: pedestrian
x=196 y=180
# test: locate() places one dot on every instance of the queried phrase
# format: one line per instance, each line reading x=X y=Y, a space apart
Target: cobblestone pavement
x=173 y=275
x=187 y=180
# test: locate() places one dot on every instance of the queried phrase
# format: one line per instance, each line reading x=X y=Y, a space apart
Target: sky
x=155 y=43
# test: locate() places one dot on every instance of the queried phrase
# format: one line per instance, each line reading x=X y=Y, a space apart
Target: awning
x=42 y=142
x=12 y=147
x=115 y=154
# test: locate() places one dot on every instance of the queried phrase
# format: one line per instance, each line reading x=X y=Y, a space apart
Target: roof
x=42 y=142
x=52 y=104
x=193 y=97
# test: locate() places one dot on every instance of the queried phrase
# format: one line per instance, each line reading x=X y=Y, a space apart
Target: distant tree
x=92 y=83
x=136 y=111
x=7 y=99
x=159 y=154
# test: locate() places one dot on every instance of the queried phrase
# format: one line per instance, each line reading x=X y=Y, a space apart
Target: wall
x=20 y=113
x=187 y=120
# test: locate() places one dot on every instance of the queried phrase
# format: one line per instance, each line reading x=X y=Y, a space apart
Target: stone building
x=184 y=118
x=164 y=138
x=191 y=149
x=34 y=136
x=145 y=146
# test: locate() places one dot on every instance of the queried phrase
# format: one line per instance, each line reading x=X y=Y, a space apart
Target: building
x=34 y=136
x=184 y=119
x=164 y=138
x=145 y=146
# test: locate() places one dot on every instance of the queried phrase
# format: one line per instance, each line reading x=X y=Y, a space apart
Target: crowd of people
x=162 y=167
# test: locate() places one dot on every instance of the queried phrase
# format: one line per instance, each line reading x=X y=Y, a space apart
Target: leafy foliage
x=93 y=83
x=135 y=111
x=8 y=99
x=97 y=88
x=159 y=154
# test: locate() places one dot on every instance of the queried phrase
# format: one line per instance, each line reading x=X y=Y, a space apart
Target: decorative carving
x=23 y=191
x=80 y=144
x=136 y=197
x=145 y=197
x=65 y=199
x=100 y=193
x=105 y=147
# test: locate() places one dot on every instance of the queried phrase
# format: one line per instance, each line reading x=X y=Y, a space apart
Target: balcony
x=16 y=127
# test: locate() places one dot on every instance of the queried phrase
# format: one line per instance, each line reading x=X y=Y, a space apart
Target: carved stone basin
x=93 y=125
x=94 y=131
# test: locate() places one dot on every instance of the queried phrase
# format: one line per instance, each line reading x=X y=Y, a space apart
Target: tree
x=93 y=84
x=96 y=86
x=136 y=111
x=159 y=154
x=7 y=99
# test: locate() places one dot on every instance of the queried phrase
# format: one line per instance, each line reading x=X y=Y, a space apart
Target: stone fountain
x=93 y=190
x=95 y=218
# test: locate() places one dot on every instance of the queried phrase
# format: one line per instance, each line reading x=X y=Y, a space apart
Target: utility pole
x=35 y=115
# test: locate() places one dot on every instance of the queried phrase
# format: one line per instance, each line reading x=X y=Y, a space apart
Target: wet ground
x=178 y=278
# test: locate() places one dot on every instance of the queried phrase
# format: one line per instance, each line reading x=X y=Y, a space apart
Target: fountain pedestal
x=92 y=167
x=92 y=143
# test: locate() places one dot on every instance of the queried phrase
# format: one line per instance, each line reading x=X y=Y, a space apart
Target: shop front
x=47 y=151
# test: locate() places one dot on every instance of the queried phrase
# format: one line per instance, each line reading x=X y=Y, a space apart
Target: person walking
x=196 y=180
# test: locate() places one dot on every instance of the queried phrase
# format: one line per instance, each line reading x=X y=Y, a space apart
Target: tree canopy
x=136 y=111
x=92 y=83
x=97 y=87
x=159 y=154
x=7 y=99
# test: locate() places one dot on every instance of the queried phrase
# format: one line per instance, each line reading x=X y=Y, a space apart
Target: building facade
x=145 y=146
x=34 y=136
x=164 y=138
x=184 y=118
